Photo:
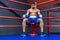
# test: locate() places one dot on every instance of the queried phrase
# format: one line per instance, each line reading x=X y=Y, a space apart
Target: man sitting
x=33 y=15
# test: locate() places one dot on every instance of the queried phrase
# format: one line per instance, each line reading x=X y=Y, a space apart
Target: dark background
x=3 y=12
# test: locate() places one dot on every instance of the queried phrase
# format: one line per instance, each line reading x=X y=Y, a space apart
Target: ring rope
x=11 y=17
x=45 y=2
x=20 y=2
x=18 y=18
x=19 y=26
x=30 y=4
x=20 y=10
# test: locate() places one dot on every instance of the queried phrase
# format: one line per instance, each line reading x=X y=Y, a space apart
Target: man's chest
x=33 y=11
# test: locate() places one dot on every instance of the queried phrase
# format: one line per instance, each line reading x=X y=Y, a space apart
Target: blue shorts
x=32 y=18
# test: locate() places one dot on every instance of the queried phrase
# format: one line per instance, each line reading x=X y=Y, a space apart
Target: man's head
x=33 y=6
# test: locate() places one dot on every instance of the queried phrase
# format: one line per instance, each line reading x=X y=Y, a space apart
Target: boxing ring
x=50 y=35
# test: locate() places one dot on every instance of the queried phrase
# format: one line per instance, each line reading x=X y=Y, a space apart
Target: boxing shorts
x=32 y=18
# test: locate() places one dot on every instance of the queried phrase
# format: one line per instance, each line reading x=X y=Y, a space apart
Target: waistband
x=33 y=17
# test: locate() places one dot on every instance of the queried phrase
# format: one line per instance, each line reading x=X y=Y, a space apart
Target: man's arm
x=26 y=15
x=39 y=13
x=28 y=12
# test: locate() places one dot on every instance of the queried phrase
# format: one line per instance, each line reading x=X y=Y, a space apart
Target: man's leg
x=41 y=25
x=24 y=25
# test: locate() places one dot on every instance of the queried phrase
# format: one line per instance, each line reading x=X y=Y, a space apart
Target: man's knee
x=40 y=20
x=24 y=20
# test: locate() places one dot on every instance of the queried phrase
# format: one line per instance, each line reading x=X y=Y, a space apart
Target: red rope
x=56 y=16
x=20 y=10
x=51 y=9
x=53 y=26
x=45 y=2
x=18 y=26
x=10 y=26
x=48 y=22
x=18 y=18
x=55 y=20
x=11 y=17
x=20 y=2
x=28 y=3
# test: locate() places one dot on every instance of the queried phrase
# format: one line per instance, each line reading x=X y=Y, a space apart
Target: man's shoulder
x=38 y=9
x=28 y=10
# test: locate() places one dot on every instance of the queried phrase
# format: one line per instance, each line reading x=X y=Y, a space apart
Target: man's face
x=33 y=6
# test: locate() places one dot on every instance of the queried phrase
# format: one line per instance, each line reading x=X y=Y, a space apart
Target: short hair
x=33 y=4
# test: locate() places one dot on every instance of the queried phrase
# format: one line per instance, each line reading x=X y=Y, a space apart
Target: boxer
x=33 y=15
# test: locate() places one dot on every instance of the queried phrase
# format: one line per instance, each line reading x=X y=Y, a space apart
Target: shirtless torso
x=33 y=12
